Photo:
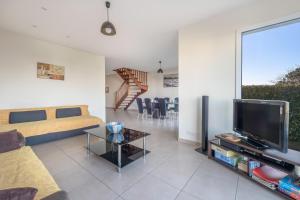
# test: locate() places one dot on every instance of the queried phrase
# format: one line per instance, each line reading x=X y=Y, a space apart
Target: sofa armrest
x=11 y=140
x=60 y=195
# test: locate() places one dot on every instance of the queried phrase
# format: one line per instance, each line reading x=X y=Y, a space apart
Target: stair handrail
x=139 y=77
x=121 y=93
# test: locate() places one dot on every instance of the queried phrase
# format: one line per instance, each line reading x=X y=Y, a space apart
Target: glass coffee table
x=120 y=154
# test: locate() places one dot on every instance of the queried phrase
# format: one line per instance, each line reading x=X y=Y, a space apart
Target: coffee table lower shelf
x=129 y=154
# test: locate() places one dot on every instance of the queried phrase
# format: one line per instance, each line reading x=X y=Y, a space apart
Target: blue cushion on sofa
x=27 y=116
x=68 y=112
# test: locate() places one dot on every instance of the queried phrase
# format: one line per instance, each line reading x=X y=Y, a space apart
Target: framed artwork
x=49 y=71
x=171 y=80
x=106 y=89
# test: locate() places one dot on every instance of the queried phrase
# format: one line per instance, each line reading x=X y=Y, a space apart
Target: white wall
x=207 y=64
x=84 y=75
x=114 y=82
x=155 y=87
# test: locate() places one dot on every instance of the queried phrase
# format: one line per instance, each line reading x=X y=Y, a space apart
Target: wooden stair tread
x=135 y=84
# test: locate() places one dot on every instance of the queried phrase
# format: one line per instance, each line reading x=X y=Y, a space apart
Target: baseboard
x=131 y=109
x=192 y=142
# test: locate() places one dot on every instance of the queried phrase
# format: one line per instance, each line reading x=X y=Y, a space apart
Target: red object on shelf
x=269 y=174
x=291 y=194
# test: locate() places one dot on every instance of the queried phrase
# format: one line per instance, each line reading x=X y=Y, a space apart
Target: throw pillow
x=27 y=193
x=11 y=140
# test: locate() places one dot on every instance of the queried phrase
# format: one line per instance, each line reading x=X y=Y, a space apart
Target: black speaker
x=204 y=139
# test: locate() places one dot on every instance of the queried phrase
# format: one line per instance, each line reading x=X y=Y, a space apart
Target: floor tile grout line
x=237 y=185
x=179 y=189
x=187 y=183
x=108 y=187
x=148 y=173
x=159 y=127
x=176 y=188
x=140 y=179
x=119 y=195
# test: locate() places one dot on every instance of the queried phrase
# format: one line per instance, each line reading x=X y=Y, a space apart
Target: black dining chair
x=148 y=106
x=139 y=102
x=167 y=101
x=162 y=107
x=155 y=108
x=171 y=109
x=176 y=106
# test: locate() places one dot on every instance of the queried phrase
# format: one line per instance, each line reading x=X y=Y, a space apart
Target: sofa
x=39 y=125
x=20 y=168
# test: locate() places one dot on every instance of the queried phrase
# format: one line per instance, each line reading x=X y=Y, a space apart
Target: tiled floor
x=171 y=171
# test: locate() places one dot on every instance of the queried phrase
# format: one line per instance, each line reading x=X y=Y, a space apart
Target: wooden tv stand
x=283 y=162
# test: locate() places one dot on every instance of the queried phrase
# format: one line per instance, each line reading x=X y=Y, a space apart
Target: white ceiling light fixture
x=160 y=71
x=107 y=27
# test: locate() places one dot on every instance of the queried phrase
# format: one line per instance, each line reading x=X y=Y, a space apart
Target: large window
x=271 y=69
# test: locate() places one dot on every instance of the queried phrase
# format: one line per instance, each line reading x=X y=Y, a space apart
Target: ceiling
x=146 y=29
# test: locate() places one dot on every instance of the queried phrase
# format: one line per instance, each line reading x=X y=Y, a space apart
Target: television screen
x=265 y=121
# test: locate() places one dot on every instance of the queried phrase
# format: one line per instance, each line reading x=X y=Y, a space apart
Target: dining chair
x=156 y=110
x=167 y=99
x=162 y=107
x=176 y=106
x=171 y=106
x=139 y=102
x=148 y=107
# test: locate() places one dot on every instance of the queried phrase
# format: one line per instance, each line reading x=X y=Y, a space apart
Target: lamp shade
x=108 y=28
x=160 y=71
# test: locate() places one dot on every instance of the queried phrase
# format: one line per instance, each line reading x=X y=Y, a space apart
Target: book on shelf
x=231 y=160
x=291 y=184
x=272 y=186
x=289 y=193
x=252 y=164
x=243 y=165
x=269 y=174
x=289 y=188
x=223 y=151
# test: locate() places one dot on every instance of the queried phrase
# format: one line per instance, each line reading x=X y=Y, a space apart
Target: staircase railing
x=138 y=77
x=122 y=93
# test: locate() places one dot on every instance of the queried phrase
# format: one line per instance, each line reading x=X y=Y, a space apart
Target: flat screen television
x=262 y=121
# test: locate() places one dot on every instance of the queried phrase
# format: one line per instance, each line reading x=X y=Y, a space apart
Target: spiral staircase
x=135 y=84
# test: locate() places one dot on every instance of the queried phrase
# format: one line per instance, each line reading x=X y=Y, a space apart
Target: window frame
x=239 y=45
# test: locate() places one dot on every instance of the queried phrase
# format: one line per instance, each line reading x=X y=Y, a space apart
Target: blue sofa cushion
x=68 y=112
x=27 y=116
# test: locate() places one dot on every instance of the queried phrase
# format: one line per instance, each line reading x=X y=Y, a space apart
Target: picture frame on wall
x=171 y=80
x=50 y=71
x=107 y=90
